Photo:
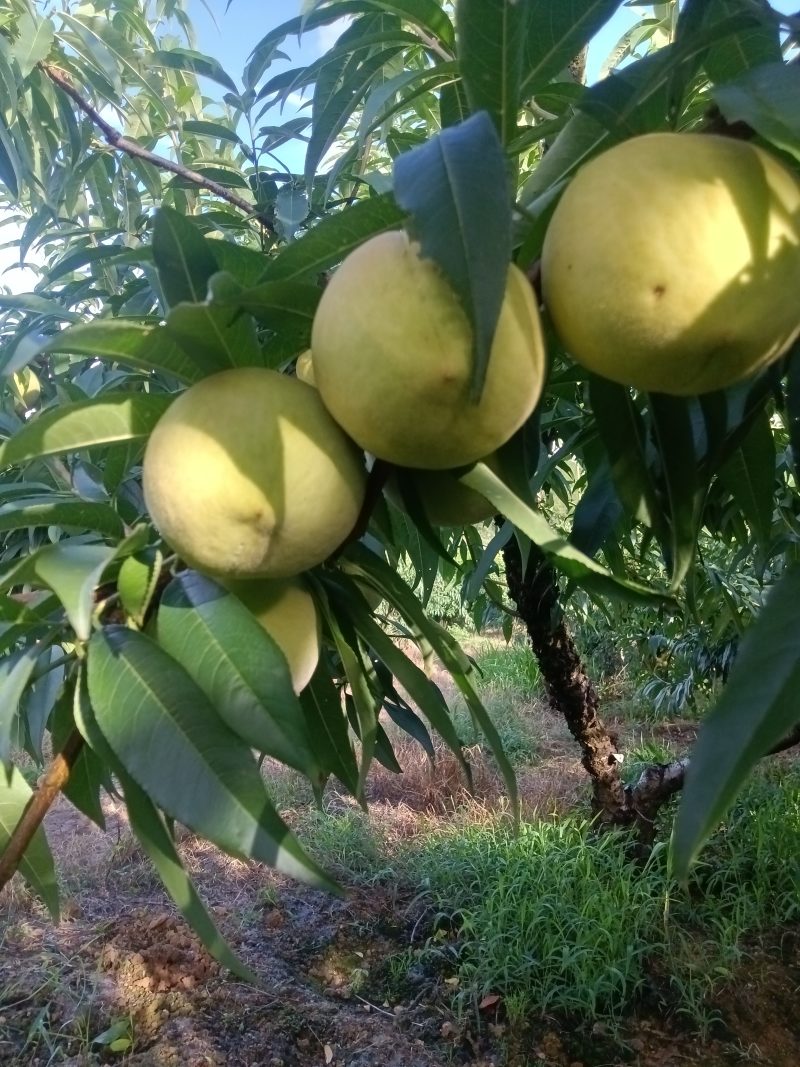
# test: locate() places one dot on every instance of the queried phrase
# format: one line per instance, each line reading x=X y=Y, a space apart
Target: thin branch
x=50 y=785
x=131 y=148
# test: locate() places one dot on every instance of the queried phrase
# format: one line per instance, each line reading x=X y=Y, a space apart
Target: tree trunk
x=570 y=690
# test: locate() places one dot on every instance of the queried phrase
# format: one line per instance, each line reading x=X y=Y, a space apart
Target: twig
x=50 y=785
x=131 y=148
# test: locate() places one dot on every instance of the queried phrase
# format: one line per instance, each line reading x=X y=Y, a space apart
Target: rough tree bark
x=571 y=692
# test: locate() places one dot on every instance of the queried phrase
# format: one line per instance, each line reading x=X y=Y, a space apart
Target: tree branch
x=131 y=148
x=50 y=785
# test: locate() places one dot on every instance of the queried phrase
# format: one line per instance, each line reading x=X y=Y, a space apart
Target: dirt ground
x=123 y=980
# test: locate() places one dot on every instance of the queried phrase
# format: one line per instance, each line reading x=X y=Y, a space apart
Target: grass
x=559 y=920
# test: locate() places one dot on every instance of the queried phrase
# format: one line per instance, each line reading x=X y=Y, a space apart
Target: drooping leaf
x=564 y=556
x=239 y=667
x=679 y=467
x=101 y=421
x=148 y=826
x=186 y=59
x=72 y=570
x=322 y=707
x=456 y=190
x=624 y=436
x=168 y=737
x=36 y=865
x=758 y=707
x=749 y=475
x=88 y=775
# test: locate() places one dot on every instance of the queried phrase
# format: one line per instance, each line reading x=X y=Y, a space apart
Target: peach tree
x=149 y=189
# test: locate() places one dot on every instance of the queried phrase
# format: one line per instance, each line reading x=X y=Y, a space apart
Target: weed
x=560 y=920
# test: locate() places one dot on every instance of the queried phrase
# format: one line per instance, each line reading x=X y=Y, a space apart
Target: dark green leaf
x=15 y=674
x=623 y=433
x=322 y=707
x=239 y=667
x=203 y=128
x=184 y=260
x=456 y=189
x=564 y=556
x=148 y=825
x=555 y=34
x=672 y=429
x=749 y=476
x=766 y=98
x=88 y=774
x=327 y=243
x=758 y=707
x=490 y=43
x=171 y=741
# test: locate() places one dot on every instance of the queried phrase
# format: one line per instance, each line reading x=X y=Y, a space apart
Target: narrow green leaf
x=490 y=42
x=169 y=738
x=239 y=667
x=101 y=421
x=34 y=39
x=749 y=476
x=15 y=673
x=88 y=775
x=327 y=725
x=137 y=582
x=183 y=258
x=366 y=706
x=327 y=243
x=424 y=692
x=143 y=347
x=758 y=707
x=36 y=865
x=624 y=436
x=203 y=128
x=556 y=33
x=333 y=109
x=192 y=62
x=148 y=826
x=766 y=99
x=37 y=305
x=456 y=189
x=672 y=428
x=565 y=557
x=56 y=510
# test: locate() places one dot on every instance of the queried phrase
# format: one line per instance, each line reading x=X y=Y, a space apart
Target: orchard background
x=632 y=605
